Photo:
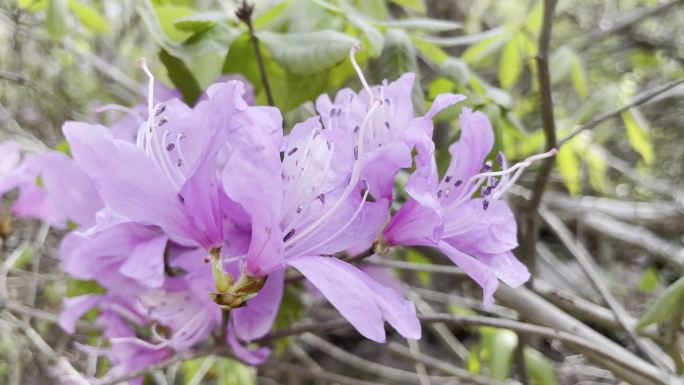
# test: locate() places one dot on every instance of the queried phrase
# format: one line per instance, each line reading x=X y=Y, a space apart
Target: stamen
x=341 y=229
x=150 y=87
x=352 y=51
x=288 y=235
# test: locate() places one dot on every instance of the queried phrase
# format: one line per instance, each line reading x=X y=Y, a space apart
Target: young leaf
x=579 y=77
x=398 y=57
x=181 y=77
x=56 y=18
x=539 y=368
x=477 y=52
x=422 y=24
x=498 y=346
x=661 y=309
x=569 y=165
x=510 y=64
x=413 y=5
x=637 y=133
x=89 y=16
x=649 y=280
x=304 y=53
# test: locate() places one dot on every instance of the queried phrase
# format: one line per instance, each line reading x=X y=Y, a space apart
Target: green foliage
x=181 y=77
x=89 y=16
x=540 y=369
x=649 y=280
x=305 y=53
x=569 y=167
x=76 y=287
x=398 y=57
x=664 y=306
x=498 y=346
x=637 y=133
x=415 y=256
x=56 y=18
x=510 y=65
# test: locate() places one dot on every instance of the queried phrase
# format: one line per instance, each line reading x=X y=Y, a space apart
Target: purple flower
x=476 y=233
x=168 y=177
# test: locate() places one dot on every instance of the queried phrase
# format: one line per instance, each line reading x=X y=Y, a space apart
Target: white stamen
x=356 y=173
x=341 y=229
x=352 y=51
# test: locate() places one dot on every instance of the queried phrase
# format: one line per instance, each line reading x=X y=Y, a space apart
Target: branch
x=585 y=261
x=244 y=13
x=549 y=126
x=326 y=376
x=627 y=22
x=444 y=366
x=638 y=100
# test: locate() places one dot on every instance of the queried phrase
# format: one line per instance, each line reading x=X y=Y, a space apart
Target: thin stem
x=244 y=13
x=549 y=126
x=638 y=100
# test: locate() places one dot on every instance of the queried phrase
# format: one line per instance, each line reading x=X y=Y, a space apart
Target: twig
x=244 y=13
x=640 y=237
x=626 y=23
x=586 y=262
x=316 y=374
x=21 y=80
x=588 y=311
x=549 y=126
x=444 y=366
x=421 y=370
x=638 y=100
x=74 y=377
x=379 y=370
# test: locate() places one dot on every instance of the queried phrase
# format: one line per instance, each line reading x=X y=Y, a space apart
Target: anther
x=439 y=193
x=288 y=235
x=447 y=179
x=162 y=122
x=458 y=182
x=299 y=209
x=485 y=204
x=321 y=198
x=292 y=151
x=160 y=110
x=170 y=146
x=356 y=152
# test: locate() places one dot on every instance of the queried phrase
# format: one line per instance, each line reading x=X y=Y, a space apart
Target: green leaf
x=422 y=24
x=181 y=77
x=481 y=50
x=398 y=57
x=637 y=133
x=167 y=16
x=372 y=34
x=498 y=346
x=569 y=166
x=455 y=41
x=56 y=18
x=431 y=51
x=533 y=22
x=456 y=70
x=231 y=372
x=649 y=280
x=307 y=52
x=579 y=77
x=89 y=16
x=539 y=368
x=199 y=21
x=661 y=309
x=561 y=63
x=510 y=64
x=413 y=5
x=24 y=258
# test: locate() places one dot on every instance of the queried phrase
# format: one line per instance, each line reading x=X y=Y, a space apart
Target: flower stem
x=244 y=13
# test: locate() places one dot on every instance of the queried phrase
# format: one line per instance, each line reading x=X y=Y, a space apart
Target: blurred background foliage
x=62 y=58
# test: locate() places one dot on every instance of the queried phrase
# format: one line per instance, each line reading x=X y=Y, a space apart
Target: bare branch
x=549 y=126
x=586 y=262
x=638 y=100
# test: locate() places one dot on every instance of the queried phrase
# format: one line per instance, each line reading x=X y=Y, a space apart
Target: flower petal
x=347 y=289
x=478 y=271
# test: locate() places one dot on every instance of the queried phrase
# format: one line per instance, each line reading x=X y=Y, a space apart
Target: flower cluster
x=188 y=214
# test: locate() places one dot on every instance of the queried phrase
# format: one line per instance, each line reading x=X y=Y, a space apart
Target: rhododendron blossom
x=189 y=217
